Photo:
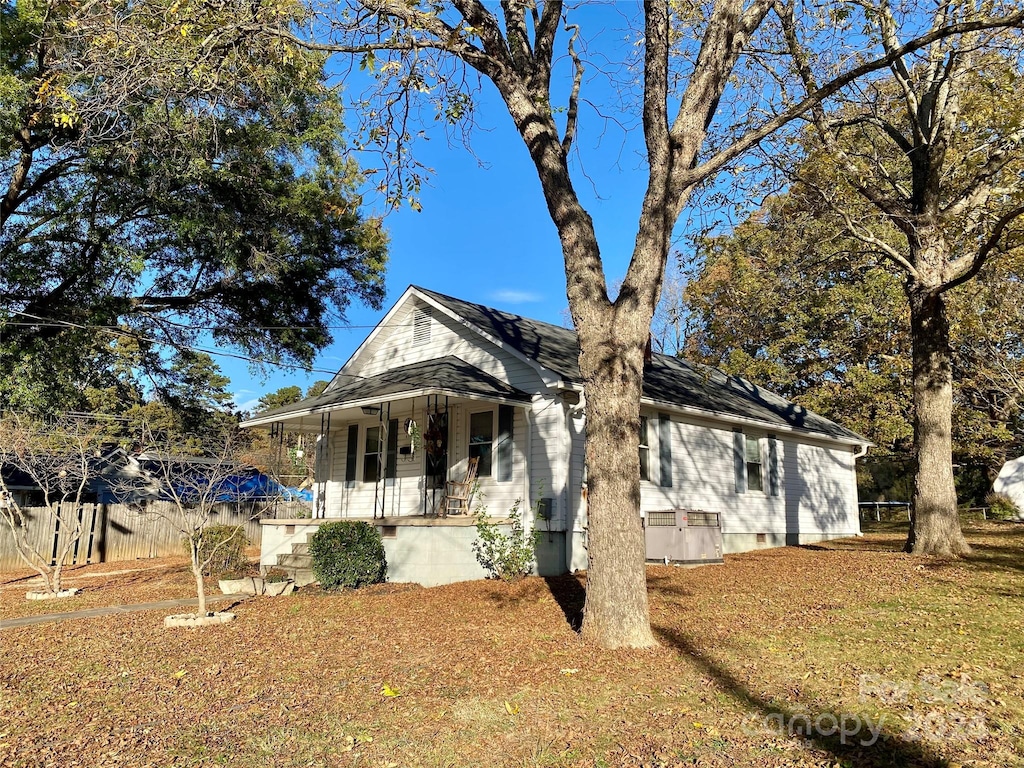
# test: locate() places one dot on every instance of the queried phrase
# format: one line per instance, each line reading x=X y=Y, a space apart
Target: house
x=441 y=380
x=1010 y=482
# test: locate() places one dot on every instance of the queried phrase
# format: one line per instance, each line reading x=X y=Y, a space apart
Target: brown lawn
x=919 y=662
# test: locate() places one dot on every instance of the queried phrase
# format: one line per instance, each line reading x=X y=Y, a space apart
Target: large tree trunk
x=935 y=526
x=616 y=613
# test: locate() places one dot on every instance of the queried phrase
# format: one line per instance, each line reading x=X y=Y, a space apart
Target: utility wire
x=117 y=331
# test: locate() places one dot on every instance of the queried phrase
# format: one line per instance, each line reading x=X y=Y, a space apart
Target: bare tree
x=689 y=60
x=183 y=481
x=61 y=459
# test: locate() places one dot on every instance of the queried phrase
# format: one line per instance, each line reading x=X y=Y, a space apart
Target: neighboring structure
x=118 y=509
x=1010 y=481
x=441 y=380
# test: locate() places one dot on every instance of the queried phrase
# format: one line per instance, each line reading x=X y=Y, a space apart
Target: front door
x=435 y=448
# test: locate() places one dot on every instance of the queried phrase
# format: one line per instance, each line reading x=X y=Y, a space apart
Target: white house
x=1010 y=481
x=440 y=380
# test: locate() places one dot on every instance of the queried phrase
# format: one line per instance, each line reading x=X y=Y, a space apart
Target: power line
x=118 y=331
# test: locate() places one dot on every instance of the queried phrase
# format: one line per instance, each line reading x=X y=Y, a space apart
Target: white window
x=755 y=479
x=481 y=440
x=645 y=450
x=371 y=455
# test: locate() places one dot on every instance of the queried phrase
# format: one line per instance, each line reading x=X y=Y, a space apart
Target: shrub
x=1001 y=506
x=275 y=575
x=507 y=557
x=226 y=544
x=347 y=554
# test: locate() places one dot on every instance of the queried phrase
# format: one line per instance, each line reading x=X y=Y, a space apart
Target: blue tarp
x=250 y=485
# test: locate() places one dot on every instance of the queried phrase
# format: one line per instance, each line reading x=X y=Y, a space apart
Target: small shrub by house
x=347 y=554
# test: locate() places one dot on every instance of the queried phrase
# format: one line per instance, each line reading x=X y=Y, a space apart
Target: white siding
x=394 y=347
x=548 y=465
x=817 y=484
x=821 y=491
x=404 y=494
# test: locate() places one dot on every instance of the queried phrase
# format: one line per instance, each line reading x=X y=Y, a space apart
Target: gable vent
x=421 y=325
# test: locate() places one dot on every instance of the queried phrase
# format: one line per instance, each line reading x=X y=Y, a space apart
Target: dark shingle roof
x=667 y=379
x=442 y=374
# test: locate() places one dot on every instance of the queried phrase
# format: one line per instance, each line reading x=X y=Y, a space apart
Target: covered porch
x=386 y=445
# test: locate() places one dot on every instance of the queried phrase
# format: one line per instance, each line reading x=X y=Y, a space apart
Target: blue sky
x=484 y=233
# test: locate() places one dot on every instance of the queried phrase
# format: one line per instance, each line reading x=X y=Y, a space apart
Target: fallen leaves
x=488 y=674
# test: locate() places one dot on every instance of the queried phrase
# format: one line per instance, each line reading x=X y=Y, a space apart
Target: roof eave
x=731 y=418
x=270 y=419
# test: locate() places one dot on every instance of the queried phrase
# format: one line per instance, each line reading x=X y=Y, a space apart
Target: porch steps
x=298 y=563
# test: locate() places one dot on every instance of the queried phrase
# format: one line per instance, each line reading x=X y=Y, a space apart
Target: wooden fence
x=113 y=532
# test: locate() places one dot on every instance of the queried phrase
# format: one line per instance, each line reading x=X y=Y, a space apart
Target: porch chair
x=457 y=494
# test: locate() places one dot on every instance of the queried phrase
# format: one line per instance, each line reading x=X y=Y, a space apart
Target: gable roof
x=668 y=380
x=445 y=375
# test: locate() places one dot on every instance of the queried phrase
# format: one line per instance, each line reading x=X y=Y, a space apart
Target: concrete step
x=294 y=561
x=298 y=569
x=301 y=548
x=301 y=576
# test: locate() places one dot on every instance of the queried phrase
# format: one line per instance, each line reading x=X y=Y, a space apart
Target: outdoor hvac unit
x=683 y=536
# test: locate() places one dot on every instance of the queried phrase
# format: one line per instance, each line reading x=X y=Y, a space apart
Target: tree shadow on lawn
x=570 y=594
x=994 y=558
x=890 y=749
x=664 y=579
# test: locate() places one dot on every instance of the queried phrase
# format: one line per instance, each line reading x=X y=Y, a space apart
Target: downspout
x=574 y=497
x=858 y=455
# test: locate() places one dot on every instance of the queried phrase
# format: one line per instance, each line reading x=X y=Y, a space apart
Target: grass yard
x=878 y=658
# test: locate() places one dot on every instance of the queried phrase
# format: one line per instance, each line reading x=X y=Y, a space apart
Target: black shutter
x=739 y=460
x=773 y=466
x=665 y=449
x=391 y=468
x=504 y=443
x=350 y=455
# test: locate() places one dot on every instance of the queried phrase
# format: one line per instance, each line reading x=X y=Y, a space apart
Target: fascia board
x=735 y=420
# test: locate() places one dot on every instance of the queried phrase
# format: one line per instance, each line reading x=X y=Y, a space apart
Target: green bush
x=506 y=557
x=226 y=544
x=347 y=554
x=1001 y=506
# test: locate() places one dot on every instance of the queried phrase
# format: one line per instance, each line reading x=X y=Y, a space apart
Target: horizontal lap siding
x=547 y=462
x=702 y=461
x=818 y=485
x=821 y=493
x=578 y=460
x=405 y=495
x=497 y=497
x=395 y=348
